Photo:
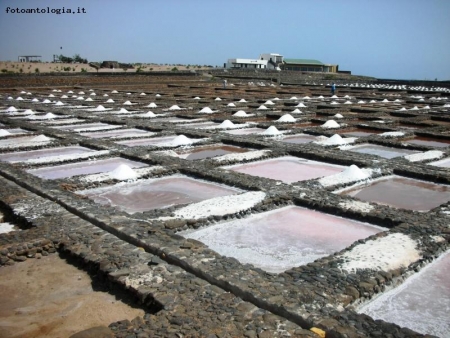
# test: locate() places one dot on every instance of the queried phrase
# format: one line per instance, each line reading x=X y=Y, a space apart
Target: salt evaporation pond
x=360 y=132
x=87 y=126
x=299 y=139
x=132 y=132
x=245 y=131
x=429 y=142
x=288 y=169
x=34 y=154
x=382 y=151
x=83 y=168
x=421 y=303
x=402 y=192
x=166 y=141
x=157 y=193
x=208 y=152
x=278 y=240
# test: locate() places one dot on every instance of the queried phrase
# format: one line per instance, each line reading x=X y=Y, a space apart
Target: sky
x=396 y=39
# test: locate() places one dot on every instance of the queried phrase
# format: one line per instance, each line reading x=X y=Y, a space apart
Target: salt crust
x=139 y=172
x=351 y=174
x=383 y=254
x=219 y=206
x=392 y=133
x=249 y=155
x=6 y=227
x=271 y=131
x=286 y=118
x=242 y=113
x=64 y=158
x=428 y=155
x=357 y=206
x=4 y=132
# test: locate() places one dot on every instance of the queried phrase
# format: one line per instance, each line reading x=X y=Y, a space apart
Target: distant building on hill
x=29 y=58
x=278 y=62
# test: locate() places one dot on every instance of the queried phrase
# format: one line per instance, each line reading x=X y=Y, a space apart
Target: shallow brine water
x=299 y=139
x=132 y=132
x=421 y=303
x=288 y=169
x=245 y=131
x=429 y=142
x=278 y=240
x=157 y=193
x=209 y=152
x=83 y=168
x=381 y=151
x=403 y=193
x=29 y=155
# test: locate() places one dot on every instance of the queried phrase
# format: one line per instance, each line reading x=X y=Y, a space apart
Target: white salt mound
x=392 y=134
x=6 y=227
x=128 y=103
x=240 y=113
x=338 y=116
x=217 y=99
x=59 y=103
x=181 y=140
x=123 y=172
x=268 y=102
x=89 y=99
x=297 y=111
x=231 y=104
x=272 y=130
x=149 y=114
x=226 y=124
x=123 y=110
x=40 y=138
x=4 y=132
x=110 y=101
x=330 y=124
x=152 y=105
x=50 y=116
x=46 y=101
x=286 y=118
x=28 y=112
x=242 y=100
x=301 y=105
x=174 y=107
x=206 y=110
x=99 y=108
x=262 y=107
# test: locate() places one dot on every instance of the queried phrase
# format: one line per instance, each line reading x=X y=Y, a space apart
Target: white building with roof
x=265 y=61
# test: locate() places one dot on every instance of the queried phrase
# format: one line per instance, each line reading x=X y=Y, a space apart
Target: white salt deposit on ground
x=361 y=101
x=334 y=102
x=6 y=227
x=127 y=103
x=142 y=94
x=152 y=105
x=240 y=113
x=147 y=114
x=181 y=140
x=269 y=102
x=271 y=131
x=351 y=174
x=174 y=107
x=11 y=108
x=231 y=104
x=391 y=134
x=262 y=107
x=64 y=158
x=59 y=103
x=334 y=140
x=428 y=155
x=338 y=116
x=110 y=101
x=4 y=132
x=99 y=108
x=207 y=110
x=101 y=177
x=217 y=99
x=386 y=253
x=296 y=111
x=286 y=118
x=330 y=124
x=41 y=138
x=294 y=98
x=249 y=155
x=242 y=101
x=114 y=92
x=35 y=100
x=226 y=124
x=301 y=105
x=357 y=206
x=47 y=116
x=220 y=206
x=122 y=173
x=89 y=99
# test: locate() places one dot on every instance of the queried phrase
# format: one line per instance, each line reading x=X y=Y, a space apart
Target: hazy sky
x=407 y=39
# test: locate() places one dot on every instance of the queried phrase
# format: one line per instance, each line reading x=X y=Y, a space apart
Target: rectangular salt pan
x=421 y=303
x=132 y=132
x=208 y=152
x=245 y=131
x=429 y=142
x=288 y=169
x=401 y=192
x=157 y=193
x=299 y=139
x=83 y=168
x=385 y=152
x=281 y=239
x=29 y=155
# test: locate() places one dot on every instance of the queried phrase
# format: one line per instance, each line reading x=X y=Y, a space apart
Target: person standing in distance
x=333 y=88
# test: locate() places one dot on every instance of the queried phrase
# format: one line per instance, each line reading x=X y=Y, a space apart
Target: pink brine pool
x=288 y=169
x=281 y=239
x=401 y=192
x=421 y=303
x=157 y=193
x=28 y=155
x=84 y=168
